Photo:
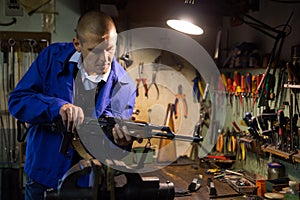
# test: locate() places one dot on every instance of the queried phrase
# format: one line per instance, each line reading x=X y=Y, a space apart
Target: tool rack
x=294 y=89
x=18 y=50
x=294 y=156
x=22 y=40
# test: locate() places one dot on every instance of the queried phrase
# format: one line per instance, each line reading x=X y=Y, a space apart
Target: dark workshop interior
x=218 y=112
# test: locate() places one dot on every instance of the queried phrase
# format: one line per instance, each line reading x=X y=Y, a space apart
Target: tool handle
x=236 y=80
x=229 y=85
x=259 y=78
x=254 y=84
x=280 y=119
x=242 y=83
x=236 y=126
x=249 y=82
x=224 y=79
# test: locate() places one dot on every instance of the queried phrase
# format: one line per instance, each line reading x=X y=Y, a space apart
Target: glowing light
x=185 y=27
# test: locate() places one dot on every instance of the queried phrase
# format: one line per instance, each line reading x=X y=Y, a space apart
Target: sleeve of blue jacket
x=32 y=90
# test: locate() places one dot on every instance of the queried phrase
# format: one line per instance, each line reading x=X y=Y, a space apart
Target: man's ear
x=76 y=44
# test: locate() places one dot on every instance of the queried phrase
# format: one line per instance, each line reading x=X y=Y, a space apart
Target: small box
x=247 y=189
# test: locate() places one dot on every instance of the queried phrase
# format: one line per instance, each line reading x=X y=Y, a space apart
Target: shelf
x=292 y=86
x=253 y=71
x=274 y=151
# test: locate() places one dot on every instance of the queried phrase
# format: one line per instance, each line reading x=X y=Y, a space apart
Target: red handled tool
x=230 y=90
x=141 y=79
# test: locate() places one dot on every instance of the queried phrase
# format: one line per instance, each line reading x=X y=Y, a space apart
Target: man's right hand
x=72 y=116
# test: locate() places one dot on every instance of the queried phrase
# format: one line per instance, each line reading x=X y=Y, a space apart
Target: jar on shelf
x=275 y=170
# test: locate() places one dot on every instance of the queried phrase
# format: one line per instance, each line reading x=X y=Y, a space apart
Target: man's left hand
x=122 y=137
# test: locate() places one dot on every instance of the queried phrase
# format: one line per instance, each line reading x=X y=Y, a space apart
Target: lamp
x=185 y=26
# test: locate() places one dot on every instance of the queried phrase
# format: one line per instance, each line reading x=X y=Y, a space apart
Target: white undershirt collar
x=89 y=81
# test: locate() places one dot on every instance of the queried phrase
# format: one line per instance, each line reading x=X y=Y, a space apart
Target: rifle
x=147 y=131
x=136 y=129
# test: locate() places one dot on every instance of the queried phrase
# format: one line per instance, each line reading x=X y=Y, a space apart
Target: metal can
x=275 y=170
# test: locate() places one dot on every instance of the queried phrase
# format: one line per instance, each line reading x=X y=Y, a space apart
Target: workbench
x=182 y=172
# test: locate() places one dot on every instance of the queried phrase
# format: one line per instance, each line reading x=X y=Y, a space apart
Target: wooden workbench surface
x=182 y=174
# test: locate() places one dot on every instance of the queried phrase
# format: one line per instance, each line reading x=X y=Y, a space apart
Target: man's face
x=97 y=51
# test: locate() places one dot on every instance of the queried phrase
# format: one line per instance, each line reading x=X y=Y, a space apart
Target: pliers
x=182 y=96
x=144 y=84
x=141 y=71
x=154 y=72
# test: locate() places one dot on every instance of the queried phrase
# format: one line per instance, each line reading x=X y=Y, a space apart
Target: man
x=49 y=92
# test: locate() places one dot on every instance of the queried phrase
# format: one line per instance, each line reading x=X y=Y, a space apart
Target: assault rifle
x=136 y=129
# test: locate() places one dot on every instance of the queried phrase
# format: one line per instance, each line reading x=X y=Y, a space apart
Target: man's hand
x=122 y=137
x=72 y=116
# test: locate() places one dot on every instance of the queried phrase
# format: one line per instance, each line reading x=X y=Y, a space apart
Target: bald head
x=94 y=22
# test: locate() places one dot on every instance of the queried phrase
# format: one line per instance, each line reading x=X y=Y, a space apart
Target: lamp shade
x=185 y=26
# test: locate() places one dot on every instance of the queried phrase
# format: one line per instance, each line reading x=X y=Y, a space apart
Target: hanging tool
x=220 y=142
x=4 y=140
x=141 y=79
x=294 y=133
x=258 y=78
x=268 y=79
x=127 y=59
x=126 y=56
x=11 y=82
x=181 y=96
x=144 y=82
x=237 y=90
x=6 y=74
x=32 y=43
x=232 y=141
x=221 y=90
x=241 y=150
x=242 y=94
x=154 y=73
x=198 y=85
x=281 y=129
x=236 y=126
x=248 y=91
x=204 y=117
x=251 y=128
x=230 y=91
x=11 y=43
x=19 y=63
